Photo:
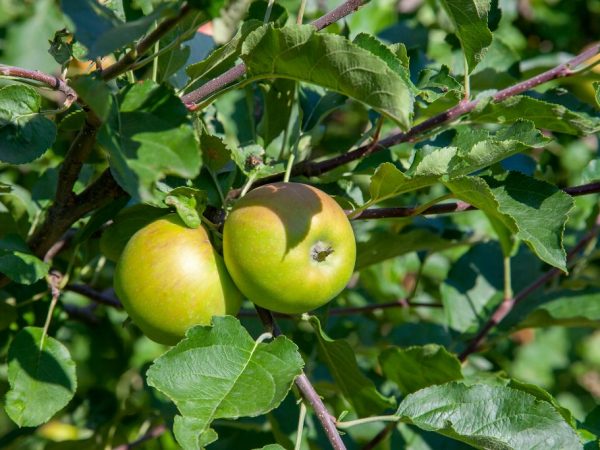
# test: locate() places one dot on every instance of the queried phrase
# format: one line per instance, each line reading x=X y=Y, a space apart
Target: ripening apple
x=169 y=278
x=289 y=247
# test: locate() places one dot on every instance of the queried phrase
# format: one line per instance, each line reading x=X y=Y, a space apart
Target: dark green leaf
x=330 y=61
x=18 y=263
x=416 y=368
x=339 y=357
x=215 y=153
x=221 y=372
x=490 y=417
x=42 y=377
x=95 y=93
x=24 y=134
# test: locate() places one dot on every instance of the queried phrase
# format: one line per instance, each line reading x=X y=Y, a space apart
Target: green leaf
x=190 y=203
x=8 y=314
x=95 y=93
x=279 y=103
x=548 y=116
x=563 y=308
x=215 y=153
x=596 y=85
x=25 y=135
x=271 y=447
x=251 y=161
x=18 y=263
x=221 y=372
x=301 y=53
x=415 y=368
x=543 y=395
x=472 y=150
x=534 y=211
x=470 y=18
x=385 y=244
x=100 y=30
x=360 y=391
x=491 y=417
x=42 y=378
x=151 y=136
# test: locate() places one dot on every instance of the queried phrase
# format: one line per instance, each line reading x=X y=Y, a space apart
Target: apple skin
x=289 y=247
x=169 y=278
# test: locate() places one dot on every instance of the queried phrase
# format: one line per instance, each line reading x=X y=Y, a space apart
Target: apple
x=169 y=278
x=289 y=247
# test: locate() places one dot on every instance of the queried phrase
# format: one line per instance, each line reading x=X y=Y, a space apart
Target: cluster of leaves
x=72 y=376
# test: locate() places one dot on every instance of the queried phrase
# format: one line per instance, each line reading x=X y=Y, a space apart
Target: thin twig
x=54 y=281
x=307 y=389
x=192 y=98
x=146 y=44
x=508 y=304
x=98 y=297
x=316 y=168
x=445 y=208
x=52 y=81
x=154 y=433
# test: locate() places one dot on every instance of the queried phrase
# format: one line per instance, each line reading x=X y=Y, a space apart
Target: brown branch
x=314 y=168
x=52 y=81
x=125 y=63
x=98 y=297
x=307 y=389
x=444 y=208
x=508 y=305
x=380 y=437
x=192 y=98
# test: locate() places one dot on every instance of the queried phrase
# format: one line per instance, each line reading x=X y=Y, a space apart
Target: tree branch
x=444 y=208
x=52 y=81
x=314 y=168
x=192 y=98
x=307 y=389
x=508 y=305
x=125 y=63
x=94 y=295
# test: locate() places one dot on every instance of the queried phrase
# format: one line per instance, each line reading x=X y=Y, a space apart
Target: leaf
x=271 y=447
x=382 y=245
x=94 y=92
x=279 y=104
x=330 y=61
x=42 y=378
x=8 y=314
x=470 y=18
x=25 y=135
x=100 y=30
x=596 y=85
x=359 y=390
x=491 y=417
x=563 y=308
x=215 y=153
x=18 y=263
x=416 y=368
x=545 y=115
x=151 y=136
x=534 y=211
x=190 y=203
x=472 y=150
x=251 y=161
x=221 y=372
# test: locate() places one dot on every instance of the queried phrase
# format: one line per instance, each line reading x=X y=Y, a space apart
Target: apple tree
x=447 y=150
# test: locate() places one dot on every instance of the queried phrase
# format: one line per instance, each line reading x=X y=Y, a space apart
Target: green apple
x=169 y=278
x=289 y=247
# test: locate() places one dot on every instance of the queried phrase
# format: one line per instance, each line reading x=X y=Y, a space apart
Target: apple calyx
x=321 y=251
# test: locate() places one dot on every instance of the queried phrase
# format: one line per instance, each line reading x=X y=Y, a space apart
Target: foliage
x=461 y=138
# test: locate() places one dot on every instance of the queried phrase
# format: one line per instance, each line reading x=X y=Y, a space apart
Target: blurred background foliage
x=451 y=261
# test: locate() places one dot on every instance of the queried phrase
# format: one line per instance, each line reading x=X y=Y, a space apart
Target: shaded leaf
x=190 y=203
x=360 y=391
x=94 y=92
x=18 y=263
x=491 y=417
x=221 y=372
x=330 y=61
x=42 y=378
x=24 y=133
x=416 y=368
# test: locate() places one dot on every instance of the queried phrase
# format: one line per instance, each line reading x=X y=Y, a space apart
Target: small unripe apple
x=289 y=247
x=169 y=278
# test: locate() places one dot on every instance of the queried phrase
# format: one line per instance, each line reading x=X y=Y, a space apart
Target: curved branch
x=54 y=82
x=313 y=168
x=192 y=98
x=444 y=208
x=307 y=389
